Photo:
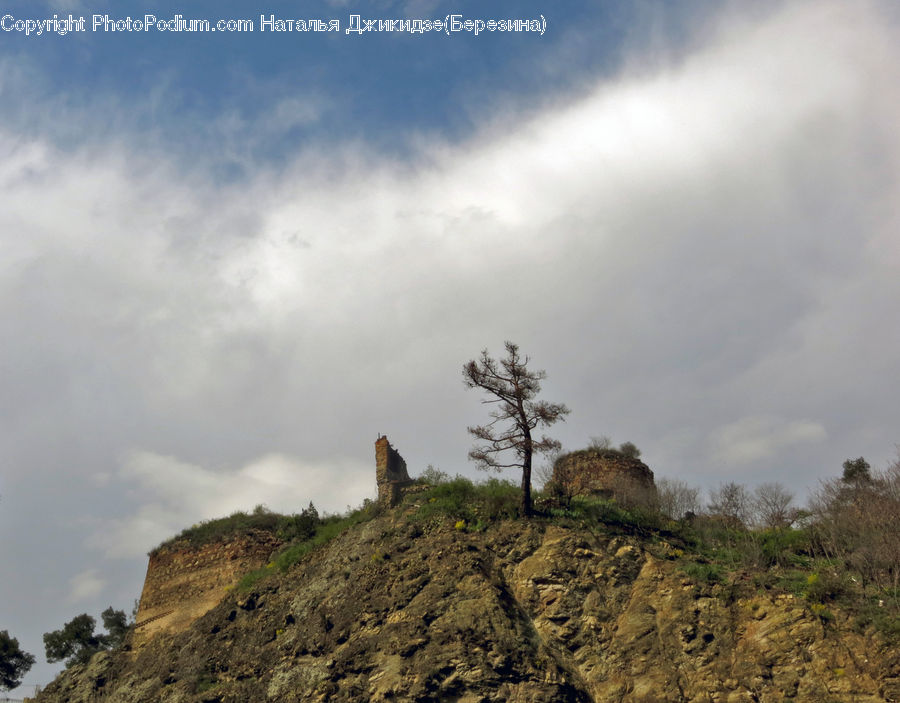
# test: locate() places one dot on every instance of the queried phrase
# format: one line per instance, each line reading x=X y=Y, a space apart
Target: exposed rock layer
x=521 y=612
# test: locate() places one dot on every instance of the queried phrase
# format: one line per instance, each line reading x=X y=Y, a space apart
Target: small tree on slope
x=77 y=642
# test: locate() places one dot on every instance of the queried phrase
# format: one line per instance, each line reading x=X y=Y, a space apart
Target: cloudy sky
x=229 y=261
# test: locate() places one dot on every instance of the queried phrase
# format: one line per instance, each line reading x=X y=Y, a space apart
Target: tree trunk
x=526 y=477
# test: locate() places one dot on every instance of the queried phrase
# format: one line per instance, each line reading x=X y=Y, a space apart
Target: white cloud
x=173 y=494
x=752 y=439
x=85 y=586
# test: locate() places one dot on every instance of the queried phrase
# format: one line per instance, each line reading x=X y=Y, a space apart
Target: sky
x=229 y=261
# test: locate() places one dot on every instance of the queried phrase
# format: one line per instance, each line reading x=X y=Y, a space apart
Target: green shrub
x=703 y=573
x=498 y=500
x=784 y=547
x=454 y=499
x=821 y=612
x=299 y=527
x=633 y=519
x=432 y=476
x=329 y=527
x=826 y=586
x=879 y=614
x=789 y=580
x=713 y=531
x=286 y=527
x=475 y=504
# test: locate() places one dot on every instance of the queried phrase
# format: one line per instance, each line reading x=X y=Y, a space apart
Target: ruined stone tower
x=608 y=473
x=185 y=581
x=390 y=473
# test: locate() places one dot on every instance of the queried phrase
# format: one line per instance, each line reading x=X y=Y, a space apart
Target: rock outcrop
x=394 y=610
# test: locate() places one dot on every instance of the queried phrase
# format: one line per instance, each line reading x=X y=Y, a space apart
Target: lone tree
x=512 y=387
x=14 y=663
x=77 y=642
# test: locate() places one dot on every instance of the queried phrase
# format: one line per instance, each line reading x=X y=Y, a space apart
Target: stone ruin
x=390 y=473
x=184 y=581
x=608 y=473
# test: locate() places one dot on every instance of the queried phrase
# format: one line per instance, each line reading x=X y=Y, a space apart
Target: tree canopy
x=14 y=663
x=77 y=642
x=856 y=471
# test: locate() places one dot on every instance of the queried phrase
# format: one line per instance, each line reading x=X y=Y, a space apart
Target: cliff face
x=184 y=581
x=521 y=612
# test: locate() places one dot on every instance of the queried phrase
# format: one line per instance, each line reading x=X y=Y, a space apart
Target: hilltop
x=450 y=597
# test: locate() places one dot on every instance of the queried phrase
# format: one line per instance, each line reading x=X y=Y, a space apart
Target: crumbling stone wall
x=390 y=473
x=606 y=472
x=185 y=581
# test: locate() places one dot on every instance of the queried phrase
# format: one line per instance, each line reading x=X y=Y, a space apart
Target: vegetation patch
x=703 y=573
x=791 y=581
x=326 y=530
x=632 y=519
x=826 y=586
x=475 y=505
x=603 y=449
x=286 y=527
x=205 y=683
x=875 y=613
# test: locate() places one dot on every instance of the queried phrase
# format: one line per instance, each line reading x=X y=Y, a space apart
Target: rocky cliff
x=393 y=610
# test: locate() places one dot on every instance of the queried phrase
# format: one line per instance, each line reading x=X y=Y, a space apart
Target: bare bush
x=856 y=519
x=432 y=476
x=773 y=506
x=605 y=444
x=601 y=443
x=730 y=502
x=545 y=470
x=676 y=498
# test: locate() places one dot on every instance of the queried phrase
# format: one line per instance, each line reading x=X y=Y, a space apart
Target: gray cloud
x=85 y=586
x=755 y=438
